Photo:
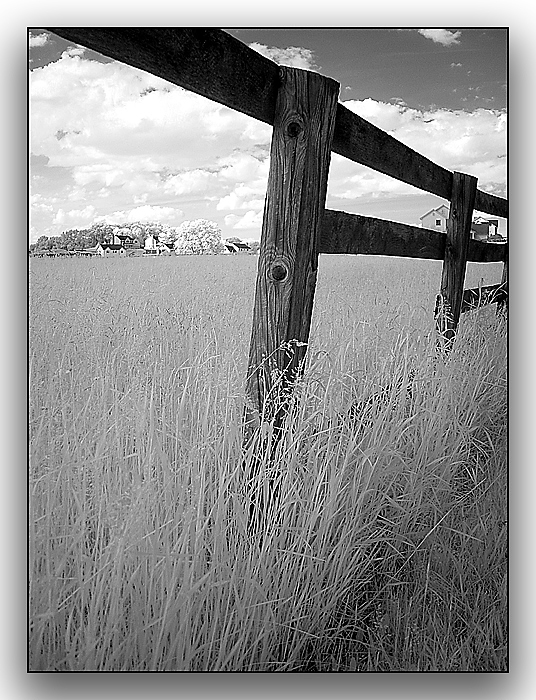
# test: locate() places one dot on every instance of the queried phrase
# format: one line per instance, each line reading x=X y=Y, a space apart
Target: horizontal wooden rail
x=363 y=235
x=474 y=298
x=490 y=204
x=481 y=252
x=357 y=139
x=209 y=62
x=214 y=64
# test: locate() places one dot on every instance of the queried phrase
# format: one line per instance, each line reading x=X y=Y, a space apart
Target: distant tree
x=71 y=240
x=42 y=243
x=199 y=237
x=254 y=246
x=87 y=238
x=169 y=235
x=102 y=233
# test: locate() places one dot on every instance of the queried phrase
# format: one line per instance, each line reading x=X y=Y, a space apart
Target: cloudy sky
x=112 y=143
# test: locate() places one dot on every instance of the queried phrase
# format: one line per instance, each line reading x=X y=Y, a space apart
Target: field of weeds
x=384 y=545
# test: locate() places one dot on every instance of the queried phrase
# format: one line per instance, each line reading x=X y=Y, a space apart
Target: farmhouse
x=482 y=229
x=110 y=250
x=105 y=250
x=436 y=219
x=153 y=246
x=126 y=240
x=236 y=246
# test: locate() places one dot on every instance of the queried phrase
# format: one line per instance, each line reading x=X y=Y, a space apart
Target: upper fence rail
x=214 y=64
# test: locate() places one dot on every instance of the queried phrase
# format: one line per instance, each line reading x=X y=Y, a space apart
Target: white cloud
x=249 y=220
x=74 y=51
x=36 y=40
x=100 y=173
x=85 y=112
x=191 y=182
x=241 y=197
x=441 y=36
x=39 y=202
x=75 y=218
x=129 y=143
x=250 y=193
x=144 y=213
x=293 y=56
x=242 y=166
x=472 y=142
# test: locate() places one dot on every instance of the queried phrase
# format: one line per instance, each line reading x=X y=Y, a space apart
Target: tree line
x=80 y=239
x=194 y=237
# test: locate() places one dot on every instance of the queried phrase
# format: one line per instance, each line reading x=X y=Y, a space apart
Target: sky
x=110 y=143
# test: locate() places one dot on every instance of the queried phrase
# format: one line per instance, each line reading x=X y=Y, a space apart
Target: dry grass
x=383 y=545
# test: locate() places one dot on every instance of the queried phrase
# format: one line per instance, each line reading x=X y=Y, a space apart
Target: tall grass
x=383 y=544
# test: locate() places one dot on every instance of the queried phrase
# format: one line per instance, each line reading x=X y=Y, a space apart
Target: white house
x=111 y=250
x=482 y=229
x=123 y=237
x=235 y=246
x=153 y=246
x=436 y=219
x=150 y=245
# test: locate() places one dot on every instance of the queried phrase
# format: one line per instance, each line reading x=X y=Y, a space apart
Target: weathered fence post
x=502 y=304
x=288 y=258
x=449 y=301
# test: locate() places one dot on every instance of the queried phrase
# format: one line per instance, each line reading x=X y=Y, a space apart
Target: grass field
x=384 y=547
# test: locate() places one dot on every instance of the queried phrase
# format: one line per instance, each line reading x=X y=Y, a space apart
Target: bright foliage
x=198 y=237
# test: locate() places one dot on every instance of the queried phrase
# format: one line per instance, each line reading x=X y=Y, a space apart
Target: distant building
x=153 y=246
x=436 y=219
x=482 y=229
x=125 y=239
x=496 y=238
x=111 y=250
x=236 y=246
x=150 y=245
x=88 y=252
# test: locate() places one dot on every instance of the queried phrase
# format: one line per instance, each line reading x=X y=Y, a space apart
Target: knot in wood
x=279 y=272
x=294 y=129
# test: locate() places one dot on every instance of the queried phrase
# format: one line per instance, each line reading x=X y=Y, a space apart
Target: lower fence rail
x=480 y=296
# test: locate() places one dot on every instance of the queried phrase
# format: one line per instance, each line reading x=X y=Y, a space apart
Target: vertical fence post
x=449 y=301
x=288 y=257
x=502 y=304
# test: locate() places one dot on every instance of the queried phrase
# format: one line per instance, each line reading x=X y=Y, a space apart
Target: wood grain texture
x=502 y=305
x=490 y=204
x=346 y=233
x=480 y=296
x=360 y=141
x=288 y=256
x=214 y=64
x=456 y=249
x=479 y=251
x=362 y=235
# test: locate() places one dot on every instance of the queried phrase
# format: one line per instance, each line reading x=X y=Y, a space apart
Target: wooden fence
x=308 y=123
